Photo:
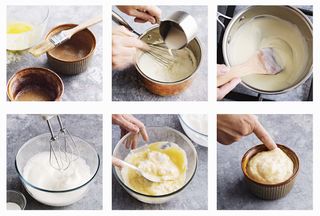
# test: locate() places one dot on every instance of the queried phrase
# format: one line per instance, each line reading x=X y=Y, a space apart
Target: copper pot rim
x=175 y=82
x=93 y=45
x=260 y=148
x=9 y=93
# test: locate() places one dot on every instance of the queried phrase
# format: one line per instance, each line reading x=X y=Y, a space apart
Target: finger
x=127 y=125
x=122 y=31
x=141 y=126
x=144 y=134
x=133 y=120
x=134 y=142
x=154 y=11
x=120 y=63
x=128 y=142
x=222 y=69
x=144 y=16
x=123 y=52
x=264 y=136
x=123 y=132
x=134 y=42
x=138 y=20
x=226 y=88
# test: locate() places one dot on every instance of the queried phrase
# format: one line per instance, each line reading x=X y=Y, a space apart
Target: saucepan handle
x=120 y=21
x=224 y=17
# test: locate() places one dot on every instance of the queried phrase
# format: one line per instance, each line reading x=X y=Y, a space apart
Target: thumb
x=222 y=69
x=226 y=88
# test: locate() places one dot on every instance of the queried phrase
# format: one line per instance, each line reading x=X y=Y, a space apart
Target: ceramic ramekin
x=40 y=78
x=270 y=191
x=83 y=41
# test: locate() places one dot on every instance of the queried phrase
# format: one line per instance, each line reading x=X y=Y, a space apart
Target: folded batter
x=285 y=38
x=270 y=167
x=169 y=165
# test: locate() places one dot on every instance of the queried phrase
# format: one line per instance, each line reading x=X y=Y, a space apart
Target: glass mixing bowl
x=56 y=197
x=193 y=134
x=35 y=17
x=157 y=134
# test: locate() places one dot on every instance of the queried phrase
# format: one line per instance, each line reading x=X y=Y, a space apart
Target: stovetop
x=302 y=93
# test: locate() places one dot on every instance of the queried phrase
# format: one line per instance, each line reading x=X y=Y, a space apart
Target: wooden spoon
x=263 y=62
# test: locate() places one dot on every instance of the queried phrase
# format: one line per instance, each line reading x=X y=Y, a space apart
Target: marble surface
x=86 y=86
x=298 y=94
x=21 y=128
x=295 y=131
x=193 y=197
x=126 y=85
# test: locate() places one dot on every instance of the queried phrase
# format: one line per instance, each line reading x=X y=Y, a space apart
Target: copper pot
x=169 y=88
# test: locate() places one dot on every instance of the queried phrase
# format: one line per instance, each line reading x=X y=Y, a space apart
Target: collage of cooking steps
x=137 y=107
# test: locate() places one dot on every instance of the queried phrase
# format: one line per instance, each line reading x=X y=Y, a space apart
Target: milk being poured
x=175 y=38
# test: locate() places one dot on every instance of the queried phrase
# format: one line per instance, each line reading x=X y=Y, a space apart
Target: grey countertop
x=298 y=94
x=86 y=86
x=126 y=85
x=294 y=131
x=21 y=128
x=193 y=197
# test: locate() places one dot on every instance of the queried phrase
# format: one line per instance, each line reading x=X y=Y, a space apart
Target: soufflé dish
x=270 y=174
x=73 y=56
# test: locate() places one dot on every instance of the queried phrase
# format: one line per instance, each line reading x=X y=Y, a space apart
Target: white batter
x=270 y=167
x=197 y=122
x=13 y=206
x=285 y=38
x=184 y=64
x=41 y=174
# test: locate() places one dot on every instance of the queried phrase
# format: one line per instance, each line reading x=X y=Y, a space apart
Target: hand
x=142 y=13
x=124 y=47
x=231 y=128
x=128 y=123
x=223 y=90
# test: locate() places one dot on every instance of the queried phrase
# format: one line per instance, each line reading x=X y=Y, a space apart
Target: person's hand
x=231 y=128
x=223 y=90
x=142 y=13
x=124 y=47
x=128 y=123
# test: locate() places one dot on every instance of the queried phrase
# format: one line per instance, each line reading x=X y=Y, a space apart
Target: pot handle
x=120 y=21
x=223 y=16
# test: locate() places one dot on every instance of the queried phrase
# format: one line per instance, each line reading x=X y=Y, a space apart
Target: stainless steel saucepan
x=288 y=13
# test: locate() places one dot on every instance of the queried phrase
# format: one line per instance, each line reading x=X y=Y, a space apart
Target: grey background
x=294 y=131
x=86 y=86
x=193 y=197
x=298 y=94
x=126 y=85
x=21 y=128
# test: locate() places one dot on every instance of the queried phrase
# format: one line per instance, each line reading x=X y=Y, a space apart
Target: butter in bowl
x=270 y=174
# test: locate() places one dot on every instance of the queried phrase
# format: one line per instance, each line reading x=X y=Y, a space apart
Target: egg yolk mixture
x=270 y=167
x=18 y=28
x=169 y=165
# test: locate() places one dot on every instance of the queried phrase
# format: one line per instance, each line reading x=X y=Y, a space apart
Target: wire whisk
x=63 y=149
x=163 y=55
